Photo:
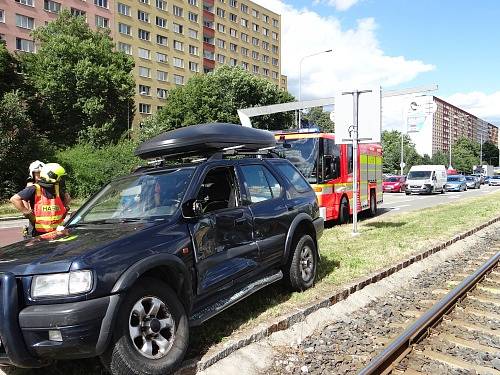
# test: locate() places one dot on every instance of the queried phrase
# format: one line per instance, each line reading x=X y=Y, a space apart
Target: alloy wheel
x=306 y=263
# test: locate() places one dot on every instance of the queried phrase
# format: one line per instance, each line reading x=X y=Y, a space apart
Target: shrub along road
x=383 y=241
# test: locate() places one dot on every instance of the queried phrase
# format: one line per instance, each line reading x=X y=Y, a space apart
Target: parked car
x=473 y=182
x=456 y=182
x=487 y=179
x=162 y=249
x=394 y=184
x=480 y=177
x=494 y=180
x=426 y=179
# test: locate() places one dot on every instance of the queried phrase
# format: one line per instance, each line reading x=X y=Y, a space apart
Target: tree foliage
x=465 y=154
x=216 y=97
x=321 y=119
x=82 y=82
x=490 y=154
x=391 y=146
x=440 y=158
x=9 y=79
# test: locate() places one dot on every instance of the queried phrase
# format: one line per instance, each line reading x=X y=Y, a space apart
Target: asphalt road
x=400 y=202
x=10 y=231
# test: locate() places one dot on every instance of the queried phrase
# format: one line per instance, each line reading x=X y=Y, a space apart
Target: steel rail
x=401 y=346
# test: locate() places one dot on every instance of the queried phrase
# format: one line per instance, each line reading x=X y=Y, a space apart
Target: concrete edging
x=300 y=314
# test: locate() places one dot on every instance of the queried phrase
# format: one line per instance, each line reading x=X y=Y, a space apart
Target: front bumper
x=417 y=189
x=453 y=187
x=25 y=333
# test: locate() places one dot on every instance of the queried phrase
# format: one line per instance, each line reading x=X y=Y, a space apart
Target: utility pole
x=481 y=152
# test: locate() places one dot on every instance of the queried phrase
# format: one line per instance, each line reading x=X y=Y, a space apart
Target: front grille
x=415 y=186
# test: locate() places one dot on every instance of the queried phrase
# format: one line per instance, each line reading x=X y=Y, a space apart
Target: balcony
x=208 y=3
x=208 y=16
x=208 y=64
x=208 y=32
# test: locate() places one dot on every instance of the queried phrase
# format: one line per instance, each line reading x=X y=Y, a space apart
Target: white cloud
x=358 y=61
x=340 y=5
x=480 y=104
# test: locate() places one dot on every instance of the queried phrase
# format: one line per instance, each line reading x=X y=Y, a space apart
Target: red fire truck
x=328 y=168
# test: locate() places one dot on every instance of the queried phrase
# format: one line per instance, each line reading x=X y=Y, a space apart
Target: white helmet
x=36 y=166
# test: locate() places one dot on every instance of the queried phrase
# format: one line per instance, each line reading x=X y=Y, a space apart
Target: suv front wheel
x=151 y=332
x=301 y=268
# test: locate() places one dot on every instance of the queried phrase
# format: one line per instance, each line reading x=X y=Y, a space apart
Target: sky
x=395 y=44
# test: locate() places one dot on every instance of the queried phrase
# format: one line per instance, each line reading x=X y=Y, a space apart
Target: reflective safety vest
x=49 y=213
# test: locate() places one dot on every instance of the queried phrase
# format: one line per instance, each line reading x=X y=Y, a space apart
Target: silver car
x=494 y=180
x=473 y=182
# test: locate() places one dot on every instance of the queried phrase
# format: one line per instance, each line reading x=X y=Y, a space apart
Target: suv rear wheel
x=151 y=333
x=301 y=268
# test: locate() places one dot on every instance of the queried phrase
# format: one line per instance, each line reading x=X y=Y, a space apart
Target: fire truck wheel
x=373 y=205
x=344 y=211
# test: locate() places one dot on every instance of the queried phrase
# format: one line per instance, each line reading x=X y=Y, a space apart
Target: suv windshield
x=303 y=154
x=419 y=175
x=139 y=197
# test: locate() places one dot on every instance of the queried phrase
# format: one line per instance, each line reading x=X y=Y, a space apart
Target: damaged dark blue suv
x=212 y=219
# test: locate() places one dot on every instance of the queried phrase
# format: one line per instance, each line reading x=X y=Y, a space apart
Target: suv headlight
x=61 y=284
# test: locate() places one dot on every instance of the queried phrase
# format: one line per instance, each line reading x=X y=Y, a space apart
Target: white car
x=494 y=180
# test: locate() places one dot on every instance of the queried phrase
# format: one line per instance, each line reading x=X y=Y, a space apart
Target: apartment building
x=170 y=41
x=447 y=125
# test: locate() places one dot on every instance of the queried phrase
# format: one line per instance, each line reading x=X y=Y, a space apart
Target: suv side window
x=219 y=190
x=260 y=183
x=295 y=178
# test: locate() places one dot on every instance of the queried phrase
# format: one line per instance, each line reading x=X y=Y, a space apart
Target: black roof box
x=205 y=139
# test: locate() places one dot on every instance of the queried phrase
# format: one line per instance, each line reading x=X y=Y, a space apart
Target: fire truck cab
x=328 y=167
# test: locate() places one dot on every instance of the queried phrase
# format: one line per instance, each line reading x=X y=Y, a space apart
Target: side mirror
x=192 y=209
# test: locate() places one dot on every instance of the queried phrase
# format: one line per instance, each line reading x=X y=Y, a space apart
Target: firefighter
x=33 y=177
x=47 y=198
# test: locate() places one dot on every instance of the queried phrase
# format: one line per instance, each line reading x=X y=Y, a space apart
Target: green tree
x=440 y=158
x=490 y=153
x=426 y=160
x=82 y=82
x=216 y=97
x=9 y=79
x=465 y=154
x=391 y=146
x=16 y=143
x=321 y=119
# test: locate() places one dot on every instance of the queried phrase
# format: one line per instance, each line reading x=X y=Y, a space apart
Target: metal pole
x=481 y=153
x=299 y=122
x=449 y=142
x=355 y=163
x=402 y=152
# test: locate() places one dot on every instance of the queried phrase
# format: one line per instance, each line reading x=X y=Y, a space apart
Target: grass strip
x=383 y=241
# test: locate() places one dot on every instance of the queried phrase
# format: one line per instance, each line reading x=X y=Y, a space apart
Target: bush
x=89 y=168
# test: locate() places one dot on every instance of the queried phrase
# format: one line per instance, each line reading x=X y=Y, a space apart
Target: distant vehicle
x=484 y=170
x=473 y=182
x=395 y=184
x=480 y=177
x=487 y=179
x=456 y=183
x=328 y=167
x=494 y=180
x=426 y=179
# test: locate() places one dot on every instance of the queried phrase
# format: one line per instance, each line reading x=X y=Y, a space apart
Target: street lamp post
x=300 y=80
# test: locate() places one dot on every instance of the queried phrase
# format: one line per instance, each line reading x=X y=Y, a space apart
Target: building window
x=78 y=13
x=30 y=3
x=221 y=12
x=255 y=41
x=179 y=46
x=144 y=2
x=233 y=47
x=178 y=63
x=25 y=22
x=265 y=58
x=221 y=28
x=124 y=29
x=221 y=43
x=123 y=9
x=255 y=13
x=275 y=35
x=275 y=48
x=101 y=3
x=161 y=93
x=193 y=2
x=161 y=4
x=233 y=62
x=276 y=23
x=244 y=37
x=255 y=55
x=144 y=90
x=255 y=27
x=51 y=6
x=144 y=34
x=144 y=54
x=265 y=18
x=178 y=28
x=193 y=17
x=25 y=45
x=265 y=31
x=193 y=50
x=161 y=22
x=124 y=47
x=161 y=75
x=145 y=108
x=161 y=57
x=256 y=69
x=275 y=75
x=193 y=34
x=193 y=67
x=178 y=80
x=162 y=40
x=221 y=58
x=208 y=55
x=177 y=11
x=244 y=51
x=101 y=21
x=266 y=71
x=2 y=16
x=244 y=8
x=233 y=3
x=275 y=62
x=144 y=72
x=233 y=17
x=233 y=32
x=244 y=65
x=244 y=22
x=143 y=16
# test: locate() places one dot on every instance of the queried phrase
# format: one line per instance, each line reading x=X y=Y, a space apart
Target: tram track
x=458 y=332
